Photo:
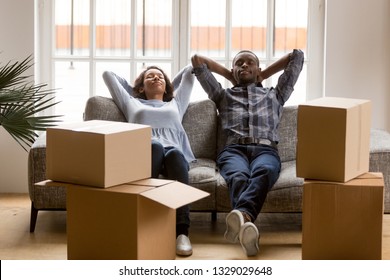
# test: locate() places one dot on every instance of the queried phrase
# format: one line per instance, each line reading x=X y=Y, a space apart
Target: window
x=79 y=39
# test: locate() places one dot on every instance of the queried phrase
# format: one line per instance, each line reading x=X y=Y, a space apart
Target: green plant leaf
x=22 y=102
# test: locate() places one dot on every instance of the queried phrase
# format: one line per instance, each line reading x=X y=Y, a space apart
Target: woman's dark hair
x=139 y=84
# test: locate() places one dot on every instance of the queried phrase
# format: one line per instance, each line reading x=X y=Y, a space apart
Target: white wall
x=16 y=43
x=358 y=54
x=357 y=64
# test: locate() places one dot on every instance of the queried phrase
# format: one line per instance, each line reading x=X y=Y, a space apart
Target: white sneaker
x=249 y=239
x=183 y=246
x=234 y=221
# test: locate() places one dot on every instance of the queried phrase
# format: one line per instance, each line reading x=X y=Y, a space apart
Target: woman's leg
x=175 y=165
x=157 y=158
x=176 y=168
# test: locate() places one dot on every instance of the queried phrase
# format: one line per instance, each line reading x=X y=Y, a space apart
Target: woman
x=157 y=102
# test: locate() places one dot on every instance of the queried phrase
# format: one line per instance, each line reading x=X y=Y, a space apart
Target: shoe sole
x=249 y=239
x=184 y=253
x=234 y=221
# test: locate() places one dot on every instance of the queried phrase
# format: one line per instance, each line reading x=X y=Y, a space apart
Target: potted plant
x=21 y=101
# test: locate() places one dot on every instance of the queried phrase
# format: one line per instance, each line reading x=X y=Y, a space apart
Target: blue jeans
x=250 y=171
x=171 y=163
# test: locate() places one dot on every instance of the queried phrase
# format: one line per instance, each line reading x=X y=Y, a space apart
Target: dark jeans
x=250 y=172
x=171 y=163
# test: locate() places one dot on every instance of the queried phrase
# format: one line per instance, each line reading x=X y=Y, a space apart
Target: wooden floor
x=280 y=235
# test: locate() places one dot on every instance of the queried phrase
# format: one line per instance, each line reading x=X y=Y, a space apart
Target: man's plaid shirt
x=252 y=110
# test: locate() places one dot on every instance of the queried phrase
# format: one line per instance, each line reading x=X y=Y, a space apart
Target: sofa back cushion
x=102 y=108
x=200 y=123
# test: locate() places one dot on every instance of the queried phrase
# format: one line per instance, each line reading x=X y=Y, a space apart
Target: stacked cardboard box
x=114 y=209
x=342 y=201
x=98 y=153
x=333 y=139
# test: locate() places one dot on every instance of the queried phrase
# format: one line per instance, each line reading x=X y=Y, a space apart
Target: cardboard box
x=98 y=153
x=130 y=221
x=333 y=139
x=343 y=220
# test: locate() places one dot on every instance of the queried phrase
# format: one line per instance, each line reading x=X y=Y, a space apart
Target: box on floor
x=98 y=153
x=333 y=139
x=343 y=220
x=130 y=221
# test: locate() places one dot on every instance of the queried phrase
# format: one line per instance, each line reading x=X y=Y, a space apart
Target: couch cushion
x=203 y=170
x=202 y=175
x=287 y=177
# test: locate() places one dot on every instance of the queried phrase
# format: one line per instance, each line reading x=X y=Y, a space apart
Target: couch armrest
x=288 y=133
x=380 y=160
x=36 y=163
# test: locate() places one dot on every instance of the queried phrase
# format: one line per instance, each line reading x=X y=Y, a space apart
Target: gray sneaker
x=249 y=239
x=234 y=221
x=183 y=246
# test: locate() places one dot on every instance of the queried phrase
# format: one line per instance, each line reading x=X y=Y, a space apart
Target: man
x=250 y=115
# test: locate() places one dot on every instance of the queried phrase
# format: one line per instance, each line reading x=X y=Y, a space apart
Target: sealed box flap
x=151 y=182
x=174 y=195
x=336 y=102
x=130 y=189
x=125 y=188
x=99 y=126
x=371 y=175
x=366 y=179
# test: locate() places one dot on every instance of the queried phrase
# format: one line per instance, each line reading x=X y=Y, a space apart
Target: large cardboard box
x=333 y=139
x=98 y=153
x=130 y=221
x=343 y=220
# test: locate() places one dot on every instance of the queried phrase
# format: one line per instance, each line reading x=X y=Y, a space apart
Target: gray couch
x=202 y=127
